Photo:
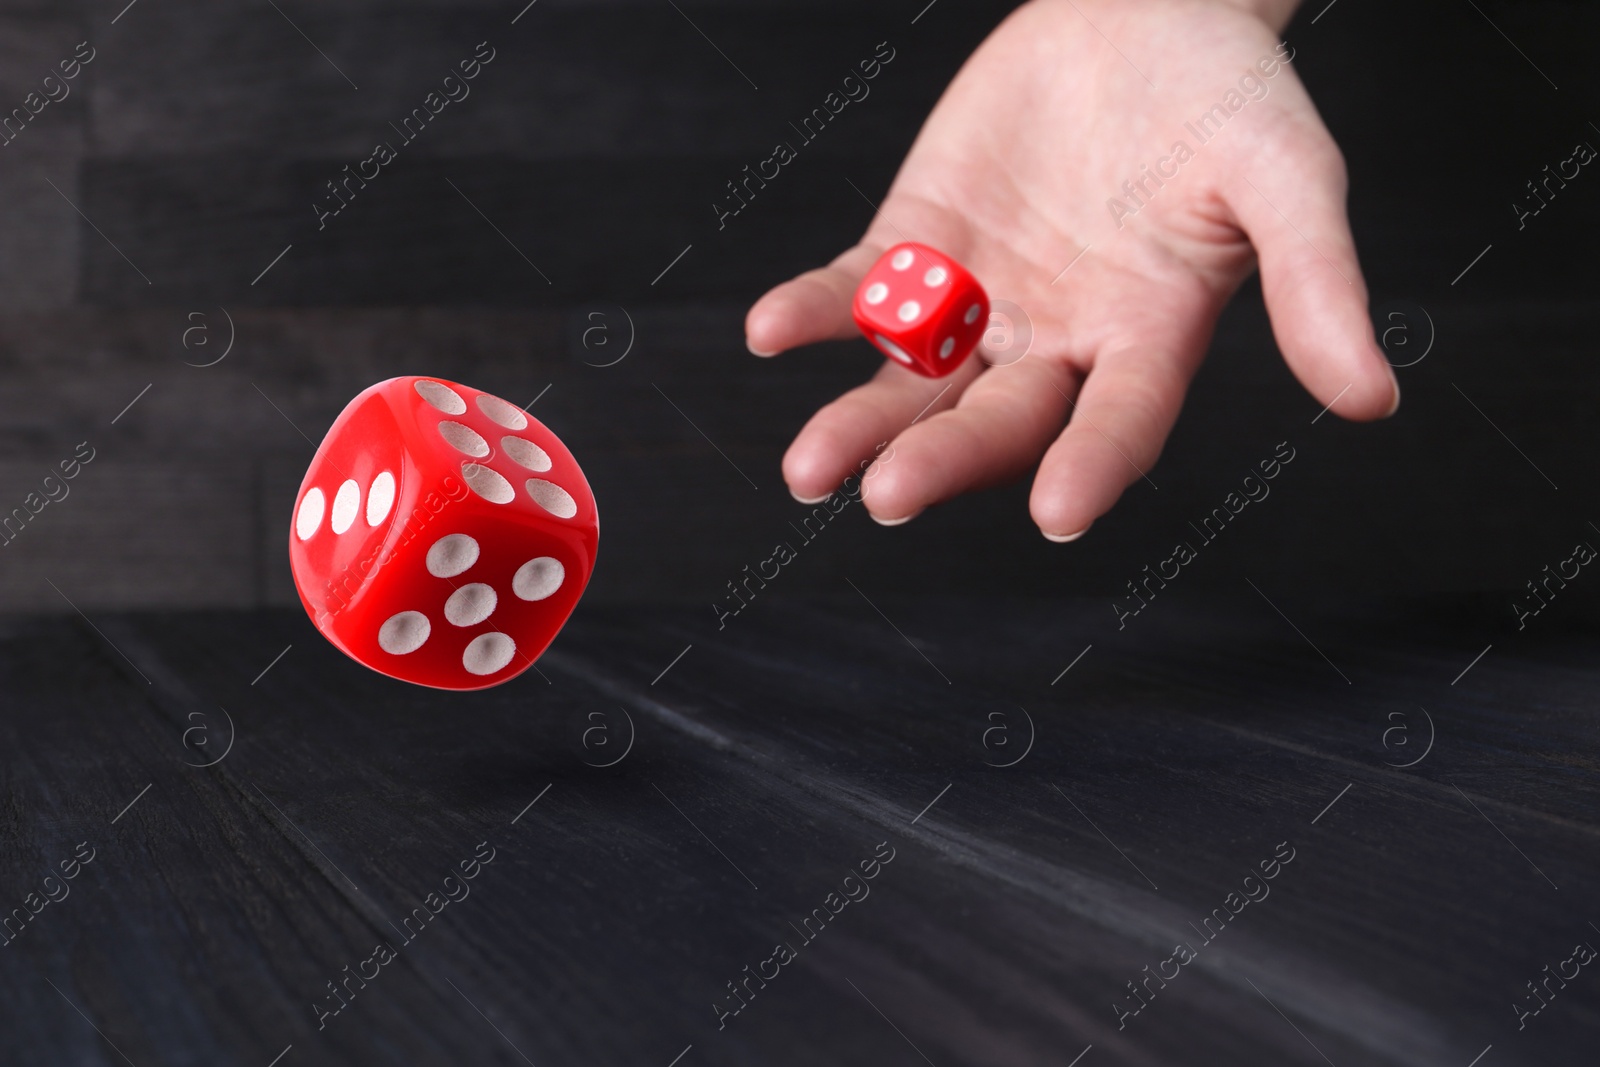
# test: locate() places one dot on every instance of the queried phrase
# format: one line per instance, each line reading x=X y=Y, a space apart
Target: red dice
x=922 y=309
x=441 y=536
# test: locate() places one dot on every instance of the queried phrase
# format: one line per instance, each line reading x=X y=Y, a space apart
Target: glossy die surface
x=441 y=536
x=922 y=309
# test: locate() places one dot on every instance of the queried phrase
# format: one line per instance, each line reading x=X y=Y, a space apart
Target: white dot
x=404 y=633
x=935 y=277
x=464 y=439
x=893 y=349
x=346 y=502
x=972 y=314
x=909 y=311
x=554 y=499
x=503 y=412
x=451 y=554
x=526 y=453
x=310 y=516
x=948 y=347
x=488 y=653
x=380 y=498
x=876 y=292
x=538 y=578
x=902 y=259
x=470 y=605
x=442 y=397
x=488 y=484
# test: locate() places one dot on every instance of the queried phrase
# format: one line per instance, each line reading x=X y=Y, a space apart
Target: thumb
x=1295 y=216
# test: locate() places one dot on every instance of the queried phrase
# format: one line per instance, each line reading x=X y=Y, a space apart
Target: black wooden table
x=872 y=833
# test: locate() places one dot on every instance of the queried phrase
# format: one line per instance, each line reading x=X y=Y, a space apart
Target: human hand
x=1016 y=173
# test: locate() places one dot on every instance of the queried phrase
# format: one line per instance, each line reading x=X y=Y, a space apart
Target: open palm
x=1020 y=175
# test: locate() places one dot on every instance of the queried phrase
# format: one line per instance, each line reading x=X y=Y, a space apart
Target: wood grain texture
x=867 y=696
x=771 y=759
x=596 y=144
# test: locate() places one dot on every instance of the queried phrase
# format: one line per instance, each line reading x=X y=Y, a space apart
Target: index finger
x=812 y=307
x=816 y=305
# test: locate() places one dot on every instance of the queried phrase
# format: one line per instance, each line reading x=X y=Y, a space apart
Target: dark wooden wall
x=597 y=140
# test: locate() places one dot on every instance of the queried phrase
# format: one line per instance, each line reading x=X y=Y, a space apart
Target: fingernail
x=896 y=522
x=1396 y=405
x=813 y=500
x=1062 y=539
x=754 y=351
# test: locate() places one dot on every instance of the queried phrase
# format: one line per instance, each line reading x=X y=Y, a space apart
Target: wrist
x=1275 y=13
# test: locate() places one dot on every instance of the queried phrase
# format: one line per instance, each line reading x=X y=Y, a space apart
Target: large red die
x=442 y=536
x=922 y=309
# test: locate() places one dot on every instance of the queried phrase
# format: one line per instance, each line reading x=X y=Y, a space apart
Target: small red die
x=922 y=309
x=441 y=536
